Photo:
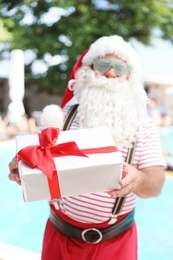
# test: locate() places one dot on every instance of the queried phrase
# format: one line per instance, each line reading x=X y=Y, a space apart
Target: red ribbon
x=41 y=155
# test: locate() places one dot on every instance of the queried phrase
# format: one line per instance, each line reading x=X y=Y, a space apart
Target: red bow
x=41 y=155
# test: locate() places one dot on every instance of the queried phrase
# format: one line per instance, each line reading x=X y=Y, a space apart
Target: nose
x=111 y=73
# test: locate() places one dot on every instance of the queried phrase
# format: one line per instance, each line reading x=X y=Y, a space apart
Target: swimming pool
x=154 y=218
x=22 y=224
x=166 y=134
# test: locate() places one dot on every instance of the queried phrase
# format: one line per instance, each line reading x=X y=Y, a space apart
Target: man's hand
x=14 y=173
x=145 y=183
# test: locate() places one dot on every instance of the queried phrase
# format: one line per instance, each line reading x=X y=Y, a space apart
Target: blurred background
x=40 y=40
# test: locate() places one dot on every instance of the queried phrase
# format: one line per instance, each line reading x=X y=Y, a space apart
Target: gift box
x=55 y=164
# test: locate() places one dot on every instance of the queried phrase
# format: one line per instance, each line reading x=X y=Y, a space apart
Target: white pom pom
x=52 y=116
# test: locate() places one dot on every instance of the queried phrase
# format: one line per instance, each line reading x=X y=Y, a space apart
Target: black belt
x=92 y=235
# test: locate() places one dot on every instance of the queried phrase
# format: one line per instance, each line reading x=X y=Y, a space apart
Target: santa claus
x=106 y=86
x=106 y=99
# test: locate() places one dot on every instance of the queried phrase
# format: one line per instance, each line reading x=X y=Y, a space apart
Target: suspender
x=120 y=200
x=70 y=116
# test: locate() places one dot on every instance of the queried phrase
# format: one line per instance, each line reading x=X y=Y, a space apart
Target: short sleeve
x=149 y=144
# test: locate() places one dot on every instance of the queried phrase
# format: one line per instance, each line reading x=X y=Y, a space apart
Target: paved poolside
x=8 y=252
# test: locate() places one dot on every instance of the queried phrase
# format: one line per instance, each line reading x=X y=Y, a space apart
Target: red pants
x=56 y=246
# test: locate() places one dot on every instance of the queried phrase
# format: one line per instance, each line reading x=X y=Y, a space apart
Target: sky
x=157 y=60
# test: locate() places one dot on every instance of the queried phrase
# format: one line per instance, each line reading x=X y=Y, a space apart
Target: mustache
x=86 y=78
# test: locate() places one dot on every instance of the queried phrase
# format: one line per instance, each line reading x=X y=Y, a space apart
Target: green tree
x=57 y=31
x=4 y=35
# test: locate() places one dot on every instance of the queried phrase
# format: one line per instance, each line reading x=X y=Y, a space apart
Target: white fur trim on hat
x=113 y=45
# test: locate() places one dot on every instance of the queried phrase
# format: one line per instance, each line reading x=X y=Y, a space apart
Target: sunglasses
x=103 y=65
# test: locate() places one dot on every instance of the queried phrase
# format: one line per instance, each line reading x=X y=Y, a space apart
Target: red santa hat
x=105 y=45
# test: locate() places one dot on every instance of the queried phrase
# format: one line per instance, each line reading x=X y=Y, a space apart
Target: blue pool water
x=22 y=224
x=154 y=219
x=166 y=134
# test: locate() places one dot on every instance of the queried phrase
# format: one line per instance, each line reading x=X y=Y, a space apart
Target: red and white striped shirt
x=97 y=207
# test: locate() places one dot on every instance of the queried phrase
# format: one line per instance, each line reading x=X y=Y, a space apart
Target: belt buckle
x=91 y=229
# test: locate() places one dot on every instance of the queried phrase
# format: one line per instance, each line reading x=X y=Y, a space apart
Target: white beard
x=110 y=102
